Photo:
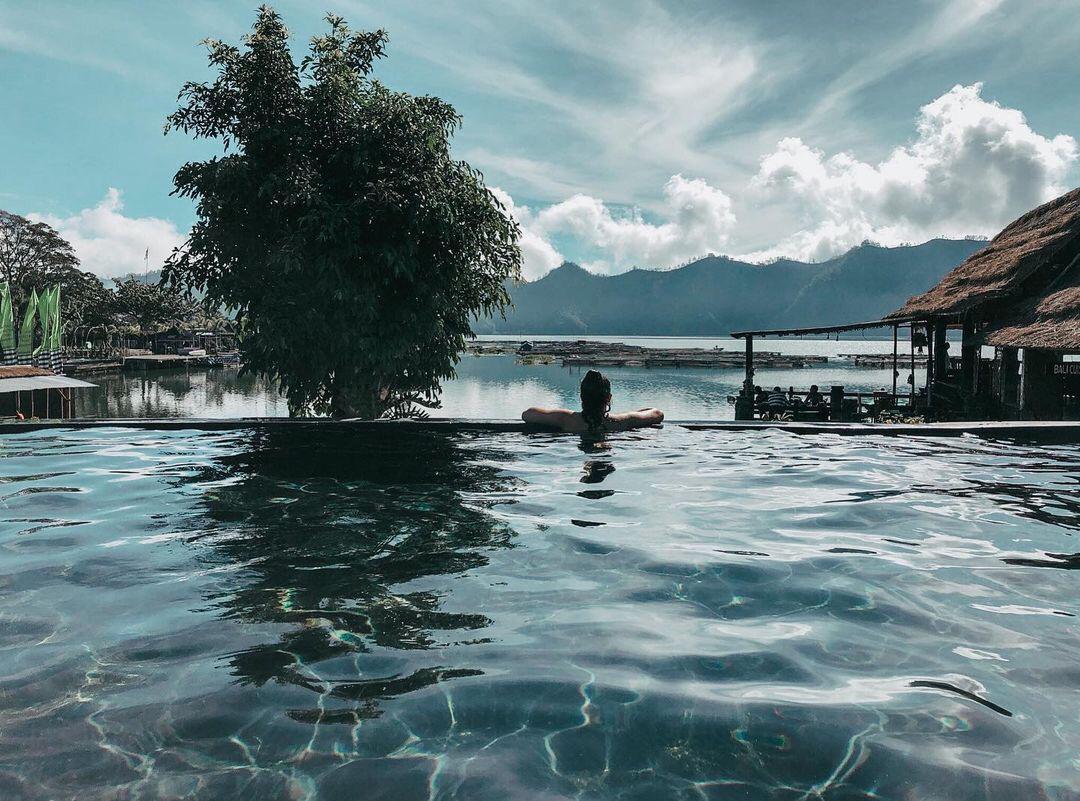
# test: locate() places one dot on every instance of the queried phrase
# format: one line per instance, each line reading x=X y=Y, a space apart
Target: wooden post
x=969 y=354
x=941 y=350
x=894 y=370
x=1009 y=384
x=911 y=347
x=744 y=404
x=836 y=403
x=929 y=356
x=749 y=382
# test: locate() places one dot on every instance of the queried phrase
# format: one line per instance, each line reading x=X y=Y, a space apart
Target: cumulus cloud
x=539 y=256
x=109 y=243
x=973 y=166
x=699 y=219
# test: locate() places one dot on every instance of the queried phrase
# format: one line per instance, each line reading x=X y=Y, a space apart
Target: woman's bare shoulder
x=554 y=418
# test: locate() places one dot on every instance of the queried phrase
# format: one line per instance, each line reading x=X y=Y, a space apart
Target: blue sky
x=621 y=134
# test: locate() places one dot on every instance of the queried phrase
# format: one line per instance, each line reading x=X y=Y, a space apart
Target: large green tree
x=352 y=248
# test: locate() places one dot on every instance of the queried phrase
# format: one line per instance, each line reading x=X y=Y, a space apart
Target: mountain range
x=716 y=295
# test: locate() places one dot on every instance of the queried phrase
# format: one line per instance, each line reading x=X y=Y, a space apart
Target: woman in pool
x=595 y=416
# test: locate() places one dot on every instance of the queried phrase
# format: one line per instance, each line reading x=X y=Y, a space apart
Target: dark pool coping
x=1067 y=431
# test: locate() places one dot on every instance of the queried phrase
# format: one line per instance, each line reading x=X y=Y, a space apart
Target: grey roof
x=823 y=329
x=41 y=382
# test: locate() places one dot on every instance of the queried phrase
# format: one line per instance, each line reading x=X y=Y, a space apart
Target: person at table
x=814 y=397
x=595 y=416
x=777 y=399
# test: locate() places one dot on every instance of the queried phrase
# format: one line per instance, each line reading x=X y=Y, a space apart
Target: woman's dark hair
x=595 y=399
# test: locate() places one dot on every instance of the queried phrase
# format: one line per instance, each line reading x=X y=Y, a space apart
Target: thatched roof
x=22 y=371
x=1046 y=237
x=1050 y=320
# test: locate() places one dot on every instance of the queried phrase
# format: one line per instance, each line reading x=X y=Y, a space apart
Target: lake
x=493 y=387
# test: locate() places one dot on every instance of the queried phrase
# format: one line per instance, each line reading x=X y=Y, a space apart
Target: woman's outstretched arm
x=642 y=417
x=537 y=415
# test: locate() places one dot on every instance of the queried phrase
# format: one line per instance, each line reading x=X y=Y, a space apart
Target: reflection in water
x=596 y=471
x=486 y=387
x=198 y=392
x=337 y=536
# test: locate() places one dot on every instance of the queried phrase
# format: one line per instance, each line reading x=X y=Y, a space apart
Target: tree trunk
x=355 y=402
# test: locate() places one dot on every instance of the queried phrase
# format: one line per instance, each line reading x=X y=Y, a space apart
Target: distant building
x=1020 y=295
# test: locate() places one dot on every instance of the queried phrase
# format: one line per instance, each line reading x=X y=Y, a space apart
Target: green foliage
x=353 y=250
x=149 y=308
x=34 y=256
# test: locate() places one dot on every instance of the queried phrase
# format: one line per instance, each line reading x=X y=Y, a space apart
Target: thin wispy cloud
x=798 y=131
x=932 y=36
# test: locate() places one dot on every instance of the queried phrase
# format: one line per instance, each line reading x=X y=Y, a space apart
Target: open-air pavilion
x=1020 y=296
x=842 y=405
x=37 y=392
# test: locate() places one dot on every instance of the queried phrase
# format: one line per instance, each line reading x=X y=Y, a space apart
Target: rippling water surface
x=668 y=615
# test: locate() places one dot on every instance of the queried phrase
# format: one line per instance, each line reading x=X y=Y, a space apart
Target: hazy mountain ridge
x=717 y=295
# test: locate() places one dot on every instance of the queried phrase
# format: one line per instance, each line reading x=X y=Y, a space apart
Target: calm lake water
x=498 y=387
x=412 y=615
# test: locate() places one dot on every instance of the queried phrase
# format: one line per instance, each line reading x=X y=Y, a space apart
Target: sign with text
x=1065 y=368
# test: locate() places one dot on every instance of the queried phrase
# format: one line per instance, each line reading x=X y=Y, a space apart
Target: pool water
x=292 y=614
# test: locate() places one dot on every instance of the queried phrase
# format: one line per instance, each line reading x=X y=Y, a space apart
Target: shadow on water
x=337 y=536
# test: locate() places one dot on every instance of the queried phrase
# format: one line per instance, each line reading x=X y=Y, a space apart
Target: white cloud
x=593 y=87
x=973 y=166
x=108 y=243
x=699 y=220
x=539 y=256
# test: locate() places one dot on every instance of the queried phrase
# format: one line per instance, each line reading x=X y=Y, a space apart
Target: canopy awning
x=823 y=329
x=30 y=383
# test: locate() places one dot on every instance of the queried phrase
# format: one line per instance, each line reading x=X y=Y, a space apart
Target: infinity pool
x=408 y=615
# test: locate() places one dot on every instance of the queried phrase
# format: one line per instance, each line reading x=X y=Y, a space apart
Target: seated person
x=777 y=399
x=761 y=397
x=595 y=416
x=814 y=397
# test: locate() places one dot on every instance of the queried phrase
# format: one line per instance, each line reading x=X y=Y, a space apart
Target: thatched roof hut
x=1024 y=264
x=1049 y=320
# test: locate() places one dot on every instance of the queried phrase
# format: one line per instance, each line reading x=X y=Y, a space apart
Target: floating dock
x=159 y=361
x=92 y=366
x=588 y=353
x=168 y=361
x=883 y=361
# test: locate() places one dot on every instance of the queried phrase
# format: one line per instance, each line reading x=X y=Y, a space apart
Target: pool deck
x=1067 y=431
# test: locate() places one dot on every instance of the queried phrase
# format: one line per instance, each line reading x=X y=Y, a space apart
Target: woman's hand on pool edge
x=649 y=416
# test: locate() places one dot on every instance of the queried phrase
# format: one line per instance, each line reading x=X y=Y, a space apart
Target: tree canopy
x=34 y=256
x=148 y=307
x=352 y=248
